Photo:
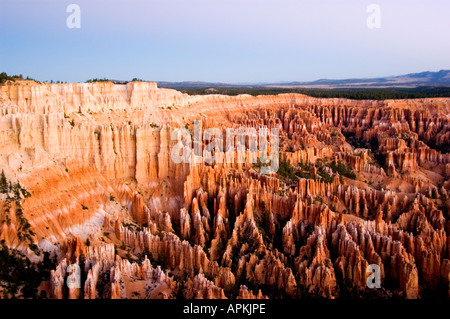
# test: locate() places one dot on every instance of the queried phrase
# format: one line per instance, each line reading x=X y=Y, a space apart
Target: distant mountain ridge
x=428 y=78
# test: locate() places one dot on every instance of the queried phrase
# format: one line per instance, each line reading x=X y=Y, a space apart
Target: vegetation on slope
x=355 y=94
x=19 y=277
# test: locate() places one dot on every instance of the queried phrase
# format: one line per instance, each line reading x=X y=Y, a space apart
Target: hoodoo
x=88 y=178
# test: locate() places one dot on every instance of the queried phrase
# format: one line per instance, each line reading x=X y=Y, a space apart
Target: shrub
x=19 y=277
x=326 y=178
x=343 y=169
x=97 y=80
x=286 y=170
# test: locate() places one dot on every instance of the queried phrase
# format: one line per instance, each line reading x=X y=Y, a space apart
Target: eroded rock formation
x=359 y=183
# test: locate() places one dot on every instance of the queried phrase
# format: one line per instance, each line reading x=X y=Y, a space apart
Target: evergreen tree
x=3 y=183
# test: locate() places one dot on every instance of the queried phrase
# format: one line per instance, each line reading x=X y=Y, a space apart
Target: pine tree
x=3 y=183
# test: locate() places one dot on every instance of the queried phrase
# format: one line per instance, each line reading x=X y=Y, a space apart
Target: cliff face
x=360 y=183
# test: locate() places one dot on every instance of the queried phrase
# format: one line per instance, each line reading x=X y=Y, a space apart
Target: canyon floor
x=92 y=199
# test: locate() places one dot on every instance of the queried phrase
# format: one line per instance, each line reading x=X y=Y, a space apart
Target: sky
x=232 y=41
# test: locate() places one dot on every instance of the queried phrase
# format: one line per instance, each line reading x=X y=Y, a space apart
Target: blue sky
x=222 y=40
